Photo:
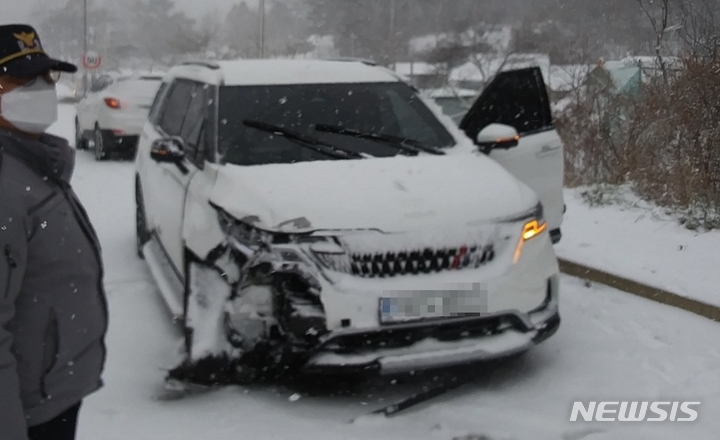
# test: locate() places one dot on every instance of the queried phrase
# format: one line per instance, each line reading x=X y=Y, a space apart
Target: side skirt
x=170 y=286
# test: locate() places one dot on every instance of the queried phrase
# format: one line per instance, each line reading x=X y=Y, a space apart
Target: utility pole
x=85 y=46
x=262 y=28
x=393 y=40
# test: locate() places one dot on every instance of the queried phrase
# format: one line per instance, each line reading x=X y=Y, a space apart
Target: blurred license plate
x=419 y=305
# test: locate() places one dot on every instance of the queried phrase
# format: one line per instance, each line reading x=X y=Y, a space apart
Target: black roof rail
x=354 y=60
x=209 y=64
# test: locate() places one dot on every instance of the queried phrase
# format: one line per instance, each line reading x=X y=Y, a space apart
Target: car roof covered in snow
x=281 y=72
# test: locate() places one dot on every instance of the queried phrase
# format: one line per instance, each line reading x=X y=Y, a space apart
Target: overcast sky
x=19 y=10
x=198 y=7
x=14 y=11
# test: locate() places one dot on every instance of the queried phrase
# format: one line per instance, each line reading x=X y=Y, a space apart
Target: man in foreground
x=53 y=314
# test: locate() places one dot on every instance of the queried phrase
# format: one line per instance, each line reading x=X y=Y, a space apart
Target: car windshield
x=391 y=109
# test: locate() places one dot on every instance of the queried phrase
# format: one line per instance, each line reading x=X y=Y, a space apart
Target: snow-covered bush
x=666 y=142
x=597 y=136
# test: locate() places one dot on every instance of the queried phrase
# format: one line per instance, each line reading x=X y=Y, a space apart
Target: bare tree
x=660 y=25
x=197 y=39
x=700 y=27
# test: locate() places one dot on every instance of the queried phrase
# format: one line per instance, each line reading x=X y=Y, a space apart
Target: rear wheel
x=142 y=235
x=103 y=142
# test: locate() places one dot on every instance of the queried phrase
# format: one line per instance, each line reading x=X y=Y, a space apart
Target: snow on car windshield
x=375 y=108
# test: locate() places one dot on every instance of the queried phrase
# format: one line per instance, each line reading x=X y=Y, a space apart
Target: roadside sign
x=92 y=60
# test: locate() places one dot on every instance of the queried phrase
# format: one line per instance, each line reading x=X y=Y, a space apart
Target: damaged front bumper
x=423 y=346
x=316 y=304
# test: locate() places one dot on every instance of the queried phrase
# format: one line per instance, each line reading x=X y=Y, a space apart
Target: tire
x=142 y=234
x=80 y=141
x=102 y=142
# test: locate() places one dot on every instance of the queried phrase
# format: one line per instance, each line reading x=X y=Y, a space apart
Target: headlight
x=532 y=228
x=286 y=255
x=283 y=252
x=285 y=249
x=330 y=254
x=242 y=236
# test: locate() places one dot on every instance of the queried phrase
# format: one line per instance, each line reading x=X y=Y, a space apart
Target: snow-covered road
x=611 y=346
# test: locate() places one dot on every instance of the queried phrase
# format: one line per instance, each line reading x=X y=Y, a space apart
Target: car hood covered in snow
x=398 y=194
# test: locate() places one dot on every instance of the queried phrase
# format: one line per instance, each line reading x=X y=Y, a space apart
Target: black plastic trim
x=556 y=236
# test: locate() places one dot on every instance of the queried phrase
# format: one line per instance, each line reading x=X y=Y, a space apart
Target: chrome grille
x=416 y=262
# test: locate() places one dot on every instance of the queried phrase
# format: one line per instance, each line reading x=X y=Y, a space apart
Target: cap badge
x=26 y=40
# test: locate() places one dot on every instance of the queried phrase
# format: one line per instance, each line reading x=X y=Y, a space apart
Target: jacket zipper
x=52 y=327
x=11 y=265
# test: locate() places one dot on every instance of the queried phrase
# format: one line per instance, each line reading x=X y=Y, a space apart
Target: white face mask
x=32 y=108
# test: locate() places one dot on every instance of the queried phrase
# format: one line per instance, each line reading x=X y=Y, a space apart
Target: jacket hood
x=399 y=194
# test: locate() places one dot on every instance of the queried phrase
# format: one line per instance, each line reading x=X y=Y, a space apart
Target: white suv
x=323 y=216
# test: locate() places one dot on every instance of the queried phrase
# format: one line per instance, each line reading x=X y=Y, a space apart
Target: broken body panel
x=265 y=301
x=382 y=265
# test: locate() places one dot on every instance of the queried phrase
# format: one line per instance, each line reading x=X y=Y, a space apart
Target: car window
x=380 y=108
x=191 y=131
x=157 y=103
x=408 y=122
x=100 y=83
x=175 y=107
x=517 y=98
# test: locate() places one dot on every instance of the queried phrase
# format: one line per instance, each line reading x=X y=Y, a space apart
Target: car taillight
x=112 y=103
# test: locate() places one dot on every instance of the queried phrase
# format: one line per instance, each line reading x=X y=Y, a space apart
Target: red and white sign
x=92 y=60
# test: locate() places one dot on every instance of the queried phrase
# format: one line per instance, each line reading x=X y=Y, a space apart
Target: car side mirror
x=496 y=136
x=169 y=150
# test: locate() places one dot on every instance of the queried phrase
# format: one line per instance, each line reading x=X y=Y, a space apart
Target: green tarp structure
x=615 y=85
x=616 y=78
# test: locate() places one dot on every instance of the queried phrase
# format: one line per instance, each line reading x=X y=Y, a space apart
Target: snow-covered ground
x=637 y=240
x=611 y=346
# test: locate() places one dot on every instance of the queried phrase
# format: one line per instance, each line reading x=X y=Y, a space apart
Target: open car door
x=519 y=98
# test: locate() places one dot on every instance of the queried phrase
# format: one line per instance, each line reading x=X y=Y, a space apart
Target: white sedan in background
x=111 y=119
x=455 y=103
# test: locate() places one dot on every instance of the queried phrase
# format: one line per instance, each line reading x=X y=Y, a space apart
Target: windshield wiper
x=409 y=145
x=308 y=142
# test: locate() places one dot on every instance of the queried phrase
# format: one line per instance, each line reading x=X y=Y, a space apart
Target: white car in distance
x=324 y=216
x=454 y=102
x=66 y=93
x=110 y=119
